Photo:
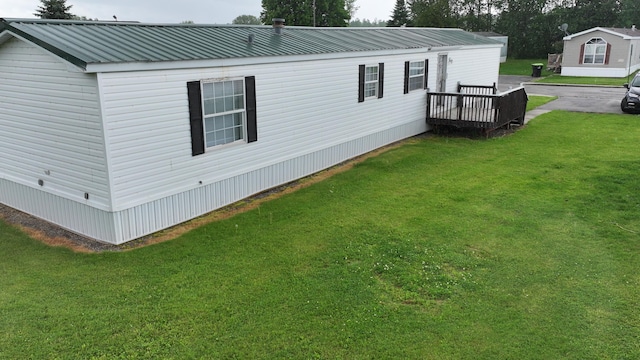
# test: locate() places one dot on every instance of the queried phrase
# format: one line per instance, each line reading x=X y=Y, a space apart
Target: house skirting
x=598 y=71
x=129 y=224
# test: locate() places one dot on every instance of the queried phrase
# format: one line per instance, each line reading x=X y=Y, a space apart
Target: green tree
x=367 y=23
x=246 y=20
x=592 y=13
x=301 y=12
x=526 y=22
x=629 y=14
x=83 y=18
x=54 y=9
x=432 y=13
x=350 y=6
x=474 y=15
x=400 y=15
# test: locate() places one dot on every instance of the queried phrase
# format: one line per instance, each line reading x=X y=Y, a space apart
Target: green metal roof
x=92 y=42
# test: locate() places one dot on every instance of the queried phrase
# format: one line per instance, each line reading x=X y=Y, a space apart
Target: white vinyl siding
x=50 y=126
x=462 y=66
x=301 y=109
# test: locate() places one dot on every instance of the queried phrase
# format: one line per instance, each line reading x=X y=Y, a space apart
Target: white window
x=371 y=81
x=223 y=104
x=416 y=75
x=595 y=51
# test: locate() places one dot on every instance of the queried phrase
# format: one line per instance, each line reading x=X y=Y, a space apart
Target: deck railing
x=478 y=89
x=477 y=107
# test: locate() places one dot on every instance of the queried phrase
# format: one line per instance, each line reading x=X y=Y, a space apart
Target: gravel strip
x=52 y=234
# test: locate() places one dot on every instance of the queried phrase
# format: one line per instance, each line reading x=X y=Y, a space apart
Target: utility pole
x=314 y=13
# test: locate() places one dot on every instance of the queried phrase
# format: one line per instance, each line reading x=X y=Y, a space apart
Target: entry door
x=442 y=72
x=441 y=80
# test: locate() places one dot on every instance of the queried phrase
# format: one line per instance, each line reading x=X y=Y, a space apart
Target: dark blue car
x=631 y=101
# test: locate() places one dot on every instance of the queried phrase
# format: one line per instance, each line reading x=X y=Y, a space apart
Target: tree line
x=534 y=27
x=295 y=12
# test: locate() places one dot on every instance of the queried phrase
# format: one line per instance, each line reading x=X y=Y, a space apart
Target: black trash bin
x=536 y=70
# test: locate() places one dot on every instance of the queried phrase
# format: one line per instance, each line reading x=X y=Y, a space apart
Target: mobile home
x=117 y=130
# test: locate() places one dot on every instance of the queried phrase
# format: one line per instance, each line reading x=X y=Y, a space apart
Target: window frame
x=421 y=76
x=371 y=84
x=363 y=82
x=224 y=113
x=596 y=43
x=408 y=77
x=196 y=114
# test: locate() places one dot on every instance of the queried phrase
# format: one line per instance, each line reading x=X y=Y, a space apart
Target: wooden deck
x=477 y=107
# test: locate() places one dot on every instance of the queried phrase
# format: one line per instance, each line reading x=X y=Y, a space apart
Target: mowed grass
x=584 y=80
x=520 y=247
x=538 y=100
x=522 y=67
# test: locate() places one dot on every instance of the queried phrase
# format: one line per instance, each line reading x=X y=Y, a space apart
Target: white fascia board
x=193 y=64
x=5 y=36
x=608 y=31
x=583 y=32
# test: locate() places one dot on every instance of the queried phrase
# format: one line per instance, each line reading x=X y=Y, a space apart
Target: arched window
x=595 y=51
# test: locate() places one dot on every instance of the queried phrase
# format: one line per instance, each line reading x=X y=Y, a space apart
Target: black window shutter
x=195 y=118
x=406 y=77
x=581 y=58
x=380 y=79
x=608 y=53
x=426 y=73
x=252 y=119
x=360 y=83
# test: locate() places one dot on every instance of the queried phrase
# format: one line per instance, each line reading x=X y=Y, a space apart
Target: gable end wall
x=50 y=130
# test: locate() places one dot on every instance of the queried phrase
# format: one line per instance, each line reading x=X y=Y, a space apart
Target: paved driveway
x=593 y=99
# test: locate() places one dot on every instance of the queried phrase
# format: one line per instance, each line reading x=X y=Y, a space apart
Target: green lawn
x=519 y=247
x=538 y=100
x=522 y=67
x=583 y=80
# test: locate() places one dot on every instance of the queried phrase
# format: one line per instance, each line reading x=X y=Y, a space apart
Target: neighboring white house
x=498 y=37
x=117 y=130
x=603 y=52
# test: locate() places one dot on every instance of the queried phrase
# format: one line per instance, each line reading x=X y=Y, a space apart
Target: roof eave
x=609 y=31
x=5 y=36
x=17 y=33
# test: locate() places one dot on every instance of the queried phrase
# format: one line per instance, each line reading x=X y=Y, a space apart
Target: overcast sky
x=175 y=11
